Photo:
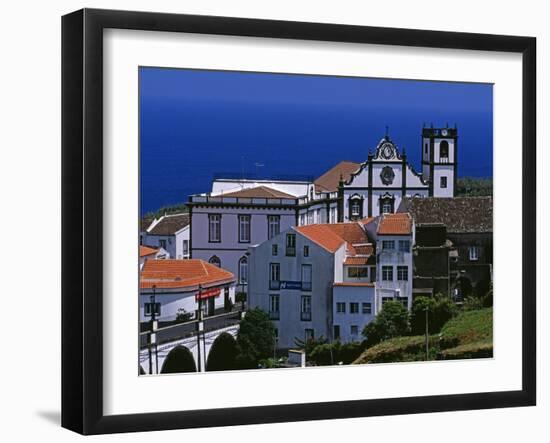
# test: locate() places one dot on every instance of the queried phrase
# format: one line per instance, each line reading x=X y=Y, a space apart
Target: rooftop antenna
x=258 y=165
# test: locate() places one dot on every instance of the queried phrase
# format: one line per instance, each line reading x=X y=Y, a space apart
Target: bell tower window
x=444 y=149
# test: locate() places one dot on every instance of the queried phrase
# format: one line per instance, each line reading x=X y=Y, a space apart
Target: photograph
x=293 y=221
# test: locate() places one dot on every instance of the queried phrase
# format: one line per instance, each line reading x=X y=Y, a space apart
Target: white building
x=170 y=232
x=226 y=222
x=331 y=280
x=147 y=253
x=172 y=288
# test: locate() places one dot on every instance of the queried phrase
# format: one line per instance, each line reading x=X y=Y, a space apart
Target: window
x=214 y=228
x=404 y=246
x=309 y=334
x=162 y=244
x=336 y=332
x=291 y=245
x=310 y=218
x=388 y=244
x=386 y=205
x=340 y=307
x=214 y=260
x=354 y=308
x=404 y=301
x=305 y=310
x=185 y=247
x=274 y=301
x=372 y=273
x=387 y=273
x=367 y=308
x=444 y=149
x=274 y=225
x=243 y=270
x=473 y=252
x=244 y=228
x=306 y=251
x=148 y=309
x=354 y=330
x=386 y=299
x=306 y=277
x=274 y=276
x=443 y=182
x=355 y=207
x=356 y=272
x=425 y=148
x=402 y=273
x=274 y=249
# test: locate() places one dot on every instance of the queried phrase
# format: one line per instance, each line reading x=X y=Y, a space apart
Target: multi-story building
x=171 y=233
x=321 y=280
x=468 y=223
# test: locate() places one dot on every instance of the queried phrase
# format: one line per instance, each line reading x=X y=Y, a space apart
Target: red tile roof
x=356 y=261
x=146 y=250
x=259 y=192
x=328 y=182
x=182 y=274
x=353 y=283
x=395 y=224
x=332 y=236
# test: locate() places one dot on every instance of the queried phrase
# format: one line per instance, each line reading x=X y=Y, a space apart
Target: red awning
x=207 y=293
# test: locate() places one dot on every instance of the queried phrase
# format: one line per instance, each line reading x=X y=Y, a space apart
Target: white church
x=238 y=213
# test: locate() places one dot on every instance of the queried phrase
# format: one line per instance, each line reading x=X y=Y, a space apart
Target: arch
x=243 y=269
x=215 y=260
x=223 y=353
x=179 y=360
x=444 y=149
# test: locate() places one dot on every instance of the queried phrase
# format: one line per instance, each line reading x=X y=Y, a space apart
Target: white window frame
x=274 y=271
x=388 y=245
x=402 y=244
x=387 y=271
x=273 y=226
x=243 y=266
x=474 y=253
x=340 y=307
x=366 y=308
x=400 y=271
x=354 y=307
x=214 y=228
x=244 y=228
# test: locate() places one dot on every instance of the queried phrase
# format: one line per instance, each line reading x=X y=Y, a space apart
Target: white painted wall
x=290 y=325
x=347 y=295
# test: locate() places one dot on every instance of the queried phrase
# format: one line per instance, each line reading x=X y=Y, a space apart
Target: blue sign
x=291 y=285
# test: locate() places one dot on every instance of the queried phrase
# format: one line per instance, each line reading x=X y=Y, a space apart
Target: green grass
x=468 y=335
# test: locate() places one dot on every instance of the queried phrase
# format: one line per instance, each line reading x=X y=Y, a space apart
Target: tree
x=392 y=321
x=255 y=339
x=440 y=310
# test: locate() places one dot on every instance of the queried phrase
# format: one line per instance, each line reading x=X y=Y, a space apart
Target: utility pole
x=427 y=342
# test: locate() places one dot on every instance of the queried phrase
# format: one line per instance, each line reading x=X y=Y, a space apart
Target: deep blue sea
x=194 y=124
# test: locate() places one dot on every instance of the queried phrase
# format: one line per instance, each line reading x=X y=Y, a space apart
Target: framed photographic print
x=269 y=221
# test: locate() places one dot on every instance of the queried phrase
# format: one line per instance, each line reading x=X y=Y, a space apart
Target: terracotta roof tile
x=459 y=214
x=170 y=224
x=259 y=192
x=182 y=274
x=328 y=182
x=332 y=236
x=395 y=224
x=146 y=250
x=356 y=261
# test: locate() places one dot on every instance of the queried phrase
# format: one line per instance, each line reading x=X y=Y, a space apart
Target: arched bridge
x=190 y=346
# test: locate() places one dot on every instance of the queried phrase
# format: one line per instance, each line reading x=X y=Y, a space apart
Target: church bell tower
x=439 y=160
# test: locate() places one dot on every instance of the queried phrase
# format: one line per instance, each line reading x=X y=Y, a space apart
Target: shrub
x=399 y=349
x=309 y=345
x=333 y=353
x=440 y=310
x=392 y=321
x=182 y=315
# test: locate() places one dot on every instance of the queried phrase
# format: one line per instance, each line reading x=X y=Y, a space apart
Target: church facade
x=380 y=183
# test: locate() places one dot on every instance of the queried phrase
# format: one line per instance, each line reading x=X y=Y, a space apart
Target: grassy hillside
x=469 y=335
x=474 y=186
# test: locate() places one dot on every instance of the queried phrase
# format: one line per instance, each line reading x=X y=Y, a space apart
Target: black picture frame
x=82 y=216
